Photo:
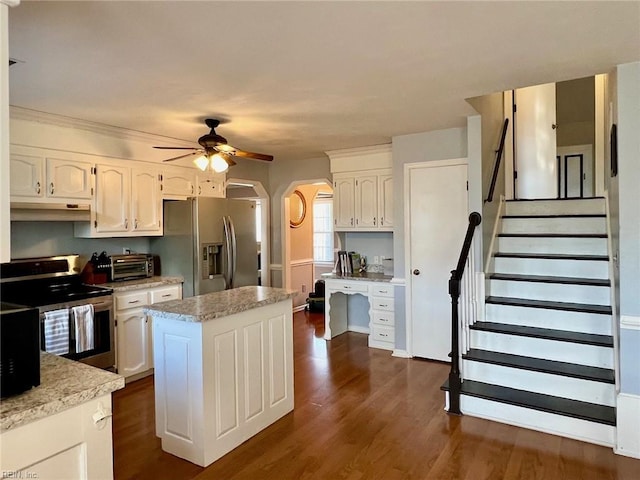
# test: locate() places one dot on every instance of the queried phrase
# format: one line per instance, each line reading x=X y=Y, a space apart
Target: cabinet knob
x=126 y=223
x=135 y=224
x=416 y=272
x=51 y=186
x=38 y=188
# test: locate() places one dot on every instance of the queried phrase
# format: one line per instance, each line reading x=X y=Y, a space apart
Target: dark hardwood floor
x=362 y=414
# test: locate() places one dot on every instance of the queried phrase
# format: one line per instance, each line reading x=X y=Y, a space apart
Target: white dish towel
x=56 y=331
x=83 y=321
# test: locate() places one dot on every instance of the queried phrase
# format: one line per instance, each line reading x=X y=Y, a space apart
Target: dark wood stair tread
x=559 y=215
x=552 y=256
x=565 y=306
x=545 y=333
x=553 y=235
x=553 y=199
x=565 y=369
x=596 y=282
x=537 y=401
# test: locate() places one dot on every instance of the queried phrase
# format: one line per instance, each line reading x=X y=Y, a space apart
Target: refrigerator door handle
x=232 y=235
x=227 y=249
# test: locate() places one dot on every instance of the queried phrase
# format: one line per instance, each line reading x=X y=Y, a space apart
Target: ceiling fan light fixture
x=202 y=162
x=219 y=163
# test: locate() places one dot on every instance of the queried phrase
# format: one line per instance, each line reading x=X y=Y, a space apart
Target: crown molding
x=359 y=151
x=10 y=3
x=27 y=114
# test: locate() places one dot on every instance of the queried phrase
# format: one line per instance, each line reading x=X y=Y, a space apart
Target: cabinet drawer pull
x=384 y=335
x=133 y=301
x=346 y=287
x=381 y=221
x=383 y=305
x=38 y=188
x=166 y=295
x=126 y=223
x=51 y=185
x=135 y=224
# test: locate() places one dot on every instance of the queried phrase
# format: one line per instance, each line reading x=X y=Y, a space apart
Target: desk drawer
x=382 y=303
x=383 y=290
x=348 y=287
x=383 y=318
x=131 y=300
x=383 y=334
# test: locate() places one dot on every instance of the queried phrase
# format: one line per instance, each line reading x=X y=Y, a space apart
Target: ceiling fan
x=215 y=151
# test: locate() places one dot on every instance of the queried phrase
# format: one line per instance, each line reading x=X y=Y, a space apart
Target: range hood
x=50 y=212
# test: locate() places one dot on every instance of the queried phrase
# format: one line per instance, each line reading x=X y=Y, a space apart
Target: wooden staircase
x=543 y=358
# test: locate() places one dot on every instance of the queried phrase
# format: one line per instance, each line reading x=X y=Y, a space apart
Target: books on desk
x=347 y=263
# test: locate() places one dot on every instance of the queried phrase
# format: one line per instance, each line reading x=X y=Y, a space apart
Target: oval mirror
x=297 y=208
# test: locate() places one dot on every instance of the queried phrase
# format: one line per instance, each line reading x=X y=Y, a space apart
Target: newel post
x=455 y=382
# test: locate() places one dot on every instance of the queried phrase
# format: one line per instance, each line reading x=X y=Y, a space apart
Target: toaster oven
x=130 y=266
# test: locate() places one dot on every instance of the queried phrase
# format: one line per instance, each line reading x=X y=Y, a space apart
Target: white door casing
x=535 y=142
x=437 y=217
x=572 y=155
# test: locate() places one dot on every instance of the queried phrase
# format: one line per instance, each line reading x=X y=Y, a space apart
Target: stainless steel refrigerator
x=211 y=242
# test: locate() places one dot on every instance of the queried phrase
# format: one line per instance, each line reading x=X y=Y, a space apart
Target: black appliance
x=54 y=283
x=19 y=349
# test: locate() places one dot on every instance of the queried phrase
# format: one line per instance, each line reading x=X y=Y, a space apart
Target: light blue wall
x=630 y=361
x=369 y=244
x=419 y=147
x=36 y=239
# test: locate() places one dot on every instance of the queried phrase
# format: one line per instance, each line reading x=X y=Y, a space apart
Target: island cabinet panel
x=72 y=444
x=220 y=381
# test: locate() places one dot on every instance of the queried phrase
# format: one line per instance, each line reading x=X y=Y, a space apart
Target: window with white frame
x=323 y=230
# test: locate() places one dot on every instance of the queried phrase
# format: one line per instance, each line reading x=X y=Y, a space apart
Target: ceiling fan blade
x=178 y=148
x=253 y=155
x=197 y=152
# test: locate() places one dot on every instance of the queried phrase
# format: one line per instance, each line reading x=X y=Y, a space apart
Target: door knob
x=416 y=272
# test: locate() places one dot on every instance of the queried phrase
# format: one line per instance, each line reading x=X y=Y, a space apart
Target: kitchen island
x=61 y=428
x=223 y=369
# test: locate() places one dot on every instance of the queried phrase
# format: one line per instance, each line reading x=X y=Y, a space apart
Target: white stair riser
x=548 y=318
x=591 y=206
x=569 y=427
x=594 y=356
x=564 y=245
x=552 y=292
x=552 y=267
x=554 y=225
x=539 y=382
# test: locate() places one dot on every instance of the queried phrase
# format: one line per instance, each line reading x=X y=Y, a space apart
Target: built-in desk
x=378 y=291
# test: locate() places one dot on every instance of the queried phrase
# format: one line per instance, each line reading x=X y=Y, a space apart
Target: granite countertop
x=140 y=283
x=64 y=384
x=218 y=304
x=365 y=276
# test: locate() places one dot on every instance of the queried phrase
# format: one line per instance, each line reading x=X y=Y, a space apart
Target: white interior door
x=438 y=218
x=535 y=139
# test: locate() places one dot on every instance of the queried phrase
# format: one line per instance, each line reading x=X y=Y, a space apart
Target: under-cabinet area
x=134 y=330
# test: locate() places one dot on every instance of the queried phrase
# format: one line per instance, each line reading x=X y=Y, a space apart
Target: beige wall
x=302 y=236
x=575 y=112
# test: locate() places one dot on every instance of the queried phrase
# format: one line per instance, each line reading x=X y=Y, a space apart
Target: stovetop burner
x=46 y=281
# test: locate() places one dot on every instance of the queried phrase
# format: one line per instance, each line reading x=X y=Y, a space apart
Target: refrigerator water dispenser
x=211 y=260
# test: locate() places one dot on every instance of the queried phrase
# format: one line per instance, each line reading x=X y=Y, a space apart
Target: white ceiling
x=294 y=79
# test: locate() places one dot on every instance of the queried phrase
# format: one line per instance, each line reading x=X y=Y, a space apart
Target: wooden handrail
x=455 y=382
x=496 y=166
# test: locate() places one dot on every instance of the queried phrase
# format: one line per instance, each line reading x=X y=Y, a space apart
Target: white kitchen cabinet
x=113 y=199
x=128 y=203
x=35 y=178
x=146 y=200
x=27 y=177
x=178 y=182
x=363 y=201
x=211 y=185
x=75 y=443
x=382 y=317
x=69 y=179
x=366 y=206
x=134 y=329
x=385 y=201
x=343 y=202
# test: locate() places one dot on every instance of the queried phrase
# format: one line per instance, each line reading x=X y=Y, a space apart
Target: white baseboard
x=628 y=425
x=299 y=308
x=357 y=329
x=401 y=354
x=630 y=322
